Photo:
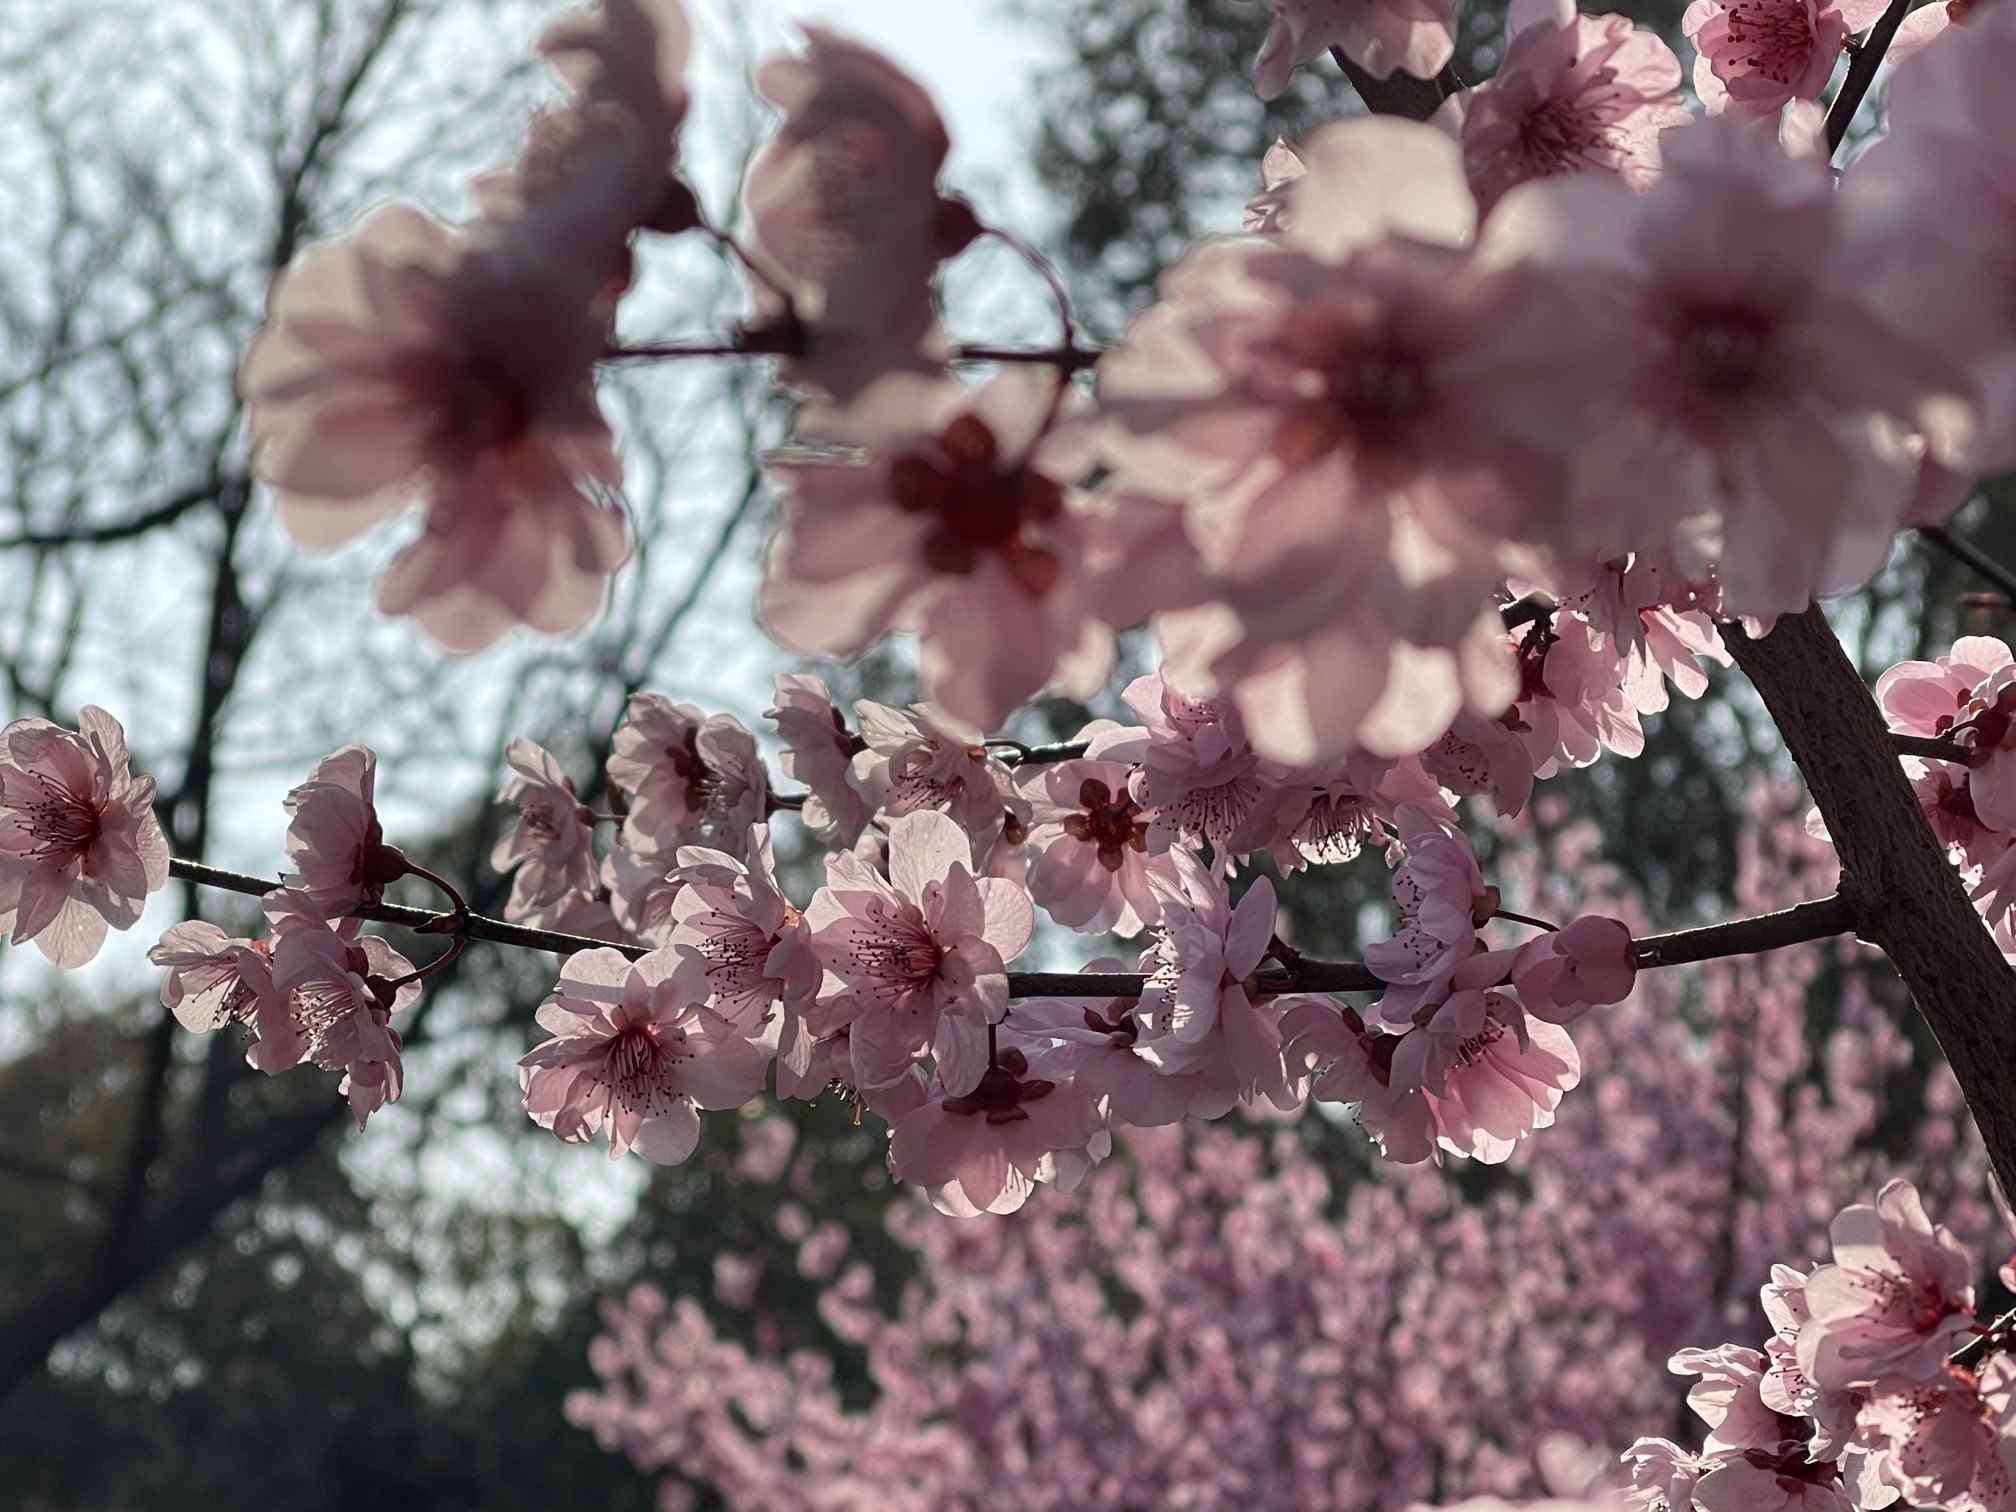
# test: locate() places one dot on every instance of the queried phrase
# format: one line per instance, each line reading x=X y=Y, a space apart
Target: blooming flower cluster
x=893 y=978
x=1967 y=697
x=1220 y=1293
x=1858 y=1400
x=315 y=989
x=1565 y=328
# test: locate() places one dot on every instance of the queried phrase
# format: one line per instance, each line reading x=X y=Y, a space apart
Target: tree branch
x=1815 y=920
x=1902 y=892
x=166 y=512
x=1963 y=550
x=1400 y=94
x=1862 y=73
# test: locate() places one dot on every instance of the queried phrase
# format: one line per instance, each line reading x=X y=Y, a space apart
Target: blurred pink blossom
x=846 y=212
x=408 y=362
x=1414 y=36
x=961 y=525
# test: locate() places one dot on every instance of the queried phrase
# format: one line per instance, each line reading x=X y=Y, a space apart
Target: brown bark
x=1903 y=894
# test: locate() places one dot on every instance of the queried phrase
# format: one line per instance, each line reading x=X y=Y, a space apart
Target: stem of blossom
x=772 y=341
x=737 y=251
x=1973 y=556
x=474 y=927
x=1792 y=926
x=1931 y=747
x=449 y=923
x=1519 y=918
x=1862 y=73
x=1995 y=1336
x=1525 y=611
x=1399 y=93
x=439 y=963
x=792 y=801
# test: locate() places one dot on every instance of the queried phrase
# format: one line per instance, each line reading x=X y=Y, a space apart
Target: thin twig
x=1814 y=920
x=1931 y=747
x=1862 y=73
x=1965 y=551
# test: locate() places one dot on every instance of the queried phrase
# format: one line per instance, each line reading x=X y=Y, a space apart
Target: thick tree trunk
x=1904 y=894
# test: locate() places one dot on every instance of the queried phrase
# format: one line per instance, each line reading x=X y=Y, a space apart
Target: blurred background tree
x=204 y=1278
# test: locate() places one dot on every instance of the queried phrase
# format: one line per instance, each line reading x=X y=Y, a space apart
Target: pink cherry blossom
x=740 y=942
x=1575 y=695
x=1987 y=727
x=601 y=166
x=984 y=1151
x=846 y=211
x=1662 y=1475
x=642 y=890
x=407 y=362
x=919 y=958
x=1726 y=1398
x=1489 y=1074
x=1896 y=1301
x=1351 y=1064
x=961 y=526
x=1748 y=376
x=629 y=1055
x=1326 y=816
x=552 y=841
x=927 y=758
x=1093 y=1043
x=1479 y=755
x=1092 y=869
x=1761 y=1481
x=1785 y=1388
x=1199 y=1007
x=1269 y=211
x=328 y=1000
x=1574 y=94
x=689 y=777
x=80 y=848
x=1352 y=413
x=818 y=752
x=335 y=841
x=1196 y=773
x=205 y=988
x=1414 y=36
x=1584 y=964
x=1943 y=1440
x=1440 y=893
x=1927 y=698
x=1754 y=56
